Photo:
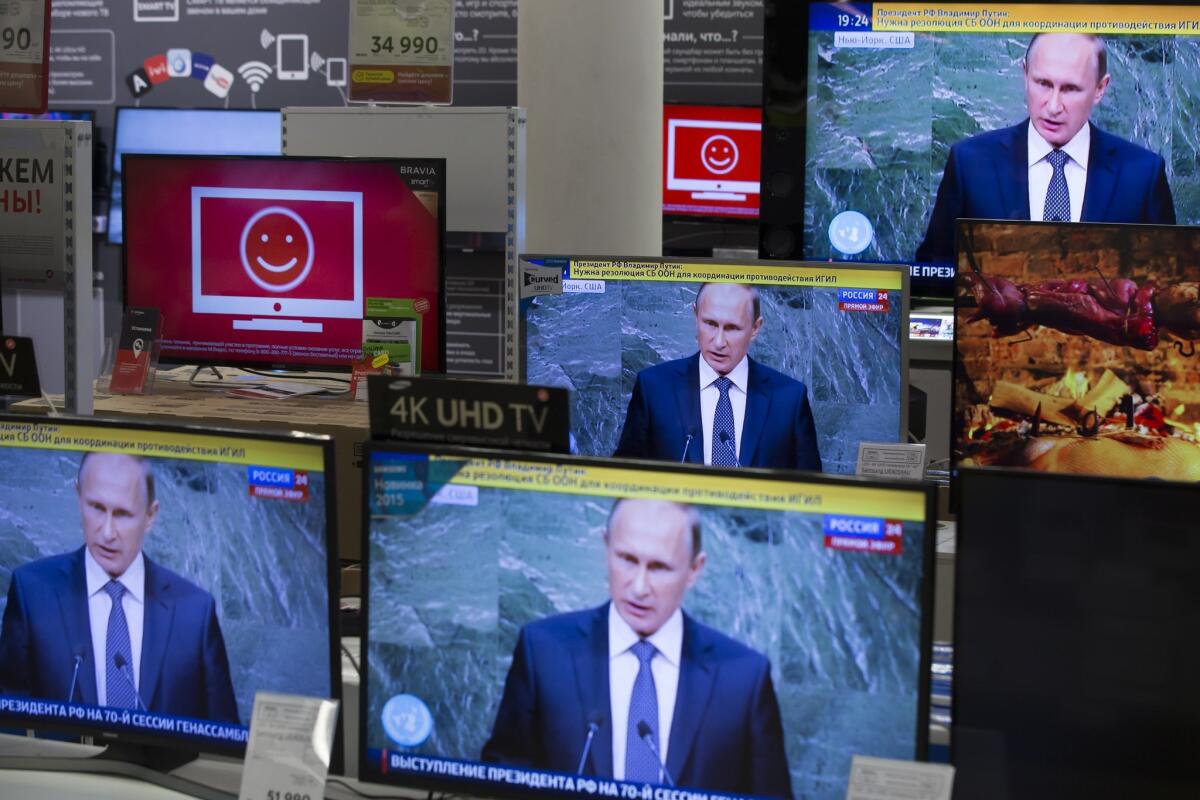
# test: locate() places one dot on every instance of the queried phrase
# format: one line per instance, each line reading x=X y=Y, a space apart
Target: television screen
x=288 y=260
x=711 y=158
x=84 y=115
x=583 y=628
x=823 y=371
x=917 y=116
x=153 y=579
x=1074 y=638
x=1076 y=348
x=187 y=131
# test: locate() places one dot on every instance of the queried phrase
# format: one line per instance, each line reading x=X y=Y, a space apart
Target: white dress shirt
x=99 y=604
x=709 y=395
x=623 y=668
x=1040 y=171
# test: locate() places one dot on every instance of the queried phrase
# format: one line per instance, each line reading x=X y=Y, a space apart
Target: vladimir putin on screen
x=719 y=406
x=1056 y=165
x=636 y=689
x=105 y=625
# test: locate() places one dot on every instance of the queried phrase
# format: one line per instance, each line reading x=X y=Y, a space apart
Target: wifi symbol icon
x=254 y=73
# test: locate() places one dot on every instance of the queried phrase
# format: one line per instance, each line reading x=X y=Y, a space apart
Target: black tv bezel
x=368 y=772
x=332 y=578
x=740 y=220
x=340 y=367
x=114 y=156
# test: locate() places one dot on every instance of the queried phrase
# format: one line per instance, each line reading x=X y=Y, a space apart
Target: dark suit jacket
x=987 y=177
x=726 y=734
x=184 y=670
x=664 y=410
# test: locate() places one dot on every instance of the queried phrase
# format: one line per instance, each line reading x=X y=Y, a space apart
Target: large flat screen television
x=277 y=261
x=895 y=94
x=505 y=596
x=187 y=131
x=711 y=158
x=1076 y=348
x=826 y=367
x=219 y=548
x=1074 y=637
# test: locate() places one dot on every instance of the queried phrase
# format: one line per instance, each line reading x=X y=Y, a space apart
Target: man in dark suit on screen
x=636 y=689
x=104 y=625
x=1056 y=165
x=720 y=406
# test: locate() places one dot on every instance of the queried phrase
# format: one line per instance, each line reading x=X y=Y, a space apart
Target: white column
x=590 y=77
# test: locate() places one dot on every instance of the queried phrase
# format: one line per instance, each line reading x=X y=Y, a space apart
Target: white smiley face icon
x=277 y=249
x=719 y=154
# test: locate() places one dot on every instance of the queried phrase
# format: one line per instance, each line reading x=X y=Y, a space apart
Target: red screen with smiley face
x=270 y=260
x=716 y=151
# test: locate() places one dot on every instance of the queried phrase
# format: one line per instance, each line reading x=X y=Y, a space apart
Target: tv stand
x=140 y=762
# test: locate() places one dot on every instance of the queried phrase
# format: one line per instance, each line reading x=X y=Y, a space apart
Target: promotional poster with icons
x=199 y=53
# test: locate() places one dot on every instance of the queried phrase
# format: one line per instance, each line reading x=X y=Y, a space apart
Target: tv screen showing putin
x=572 y=627
x=921 y=114
x=738 y=364
x=153 y=579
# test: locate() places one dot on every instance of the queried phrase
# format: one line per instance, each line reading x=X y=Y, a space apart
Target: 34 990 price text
x=406 y=44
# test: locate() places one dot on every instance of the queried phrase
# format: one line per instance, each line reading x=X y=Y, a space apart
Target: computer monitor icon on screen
x=713 y=159
x=284 y=258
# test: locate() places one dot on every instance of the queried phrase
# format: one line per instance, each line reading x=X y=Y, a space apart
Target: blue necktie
x=641 y=764
x=1058 y=198
x=724 y=440
x=118 y=682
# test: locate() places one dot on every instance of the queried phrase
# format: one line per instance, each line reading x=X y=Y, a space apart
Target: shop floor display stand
x=484 y=150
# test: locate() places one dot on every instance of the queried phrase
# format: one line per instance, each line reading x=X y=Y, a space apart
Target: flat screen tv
x=1074 y=637
x=897 y=105
x=1076 y=348
x=154 y=578
x=711 y=158
x=278 y=261
x=509 y=600
x=613 y=328
x=187 y=131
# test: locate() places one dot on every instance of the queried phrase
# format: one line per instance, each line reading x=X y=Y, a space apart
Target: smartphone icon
x=291 y=57
x=335 y=72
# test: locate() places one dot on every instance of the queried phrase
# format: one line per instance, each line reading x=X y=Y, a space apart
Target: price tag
x=402 y=51
x=24 y=29
x=889 y=779
x=888 y=460
x=291 y=741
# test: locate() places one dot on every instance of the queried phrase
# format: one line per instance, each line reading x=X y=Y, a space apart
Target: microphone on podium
x=691 y=434
x=78 y=659
x=646 y=733
x=727 y=440
x=594 y=722
x=123 y=668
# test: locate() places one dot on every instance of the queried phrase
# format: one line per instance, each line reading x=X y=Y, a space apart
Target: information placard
x=24 y=30
x=402 y=51
x=291 y=741
x=480 y=413
x=892 y=779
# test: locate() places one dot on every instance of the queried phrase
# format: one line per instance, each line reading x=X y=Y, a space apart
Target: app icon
x=179 y=62
x=201 y=64
x=156 y=68
x=219 y=80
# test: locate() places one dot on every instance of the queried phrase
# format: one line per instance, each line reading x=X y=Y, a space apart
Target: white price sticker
x=412 y=32
x=291 y=741
x=22 y=27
